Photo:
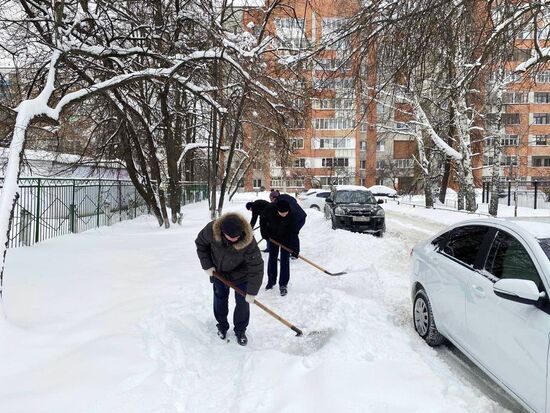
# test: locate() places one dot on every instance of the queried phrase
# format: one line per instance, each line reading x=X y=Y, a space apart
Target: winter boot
x=241 y=338
x=283 y=290
x=222 y=333
x=269 y=286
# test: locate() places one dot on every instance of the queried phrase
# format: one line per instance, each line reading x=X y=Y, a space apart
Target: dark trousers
x=241 y=315
x=272 y=266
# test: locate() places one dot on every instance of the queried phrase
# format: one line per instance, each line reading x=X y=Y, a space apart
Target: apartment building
x=338 y=141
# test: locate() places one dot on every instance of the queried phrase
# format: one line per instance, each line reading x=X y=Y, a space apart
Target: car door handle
x=479 y=291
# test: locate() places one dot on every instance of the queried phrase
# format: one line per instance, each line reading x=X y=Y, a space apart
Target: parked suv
x=354 y=208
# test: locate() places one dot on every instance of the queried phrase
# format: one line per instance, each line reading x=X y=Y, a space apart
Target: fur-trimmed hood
x=248 y=233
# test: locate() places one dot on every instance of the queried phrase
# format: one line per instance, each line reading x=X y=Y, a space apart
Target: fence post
x=98 y=199
x=119 y=201
x=37 y=212
x=509 y=191
x=536 y=192
x=72 y=210
x=26 y=227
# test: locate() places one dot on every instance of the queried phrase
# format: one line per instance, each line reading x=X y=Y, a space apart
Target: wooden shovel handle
x=299 y=256
x=259 y=304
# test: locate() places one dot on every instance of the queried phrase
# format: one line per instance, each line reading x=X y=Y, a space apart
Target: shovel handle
x=299 y=256
x=259 y=304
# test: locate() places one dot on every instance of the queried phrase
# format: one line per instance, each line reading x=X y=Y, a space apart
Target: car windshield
x=354 y=197
x=545 y=245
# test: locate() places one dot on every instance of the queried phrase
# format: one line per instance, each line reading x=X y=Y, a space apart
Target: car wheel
x=424 y=322
x=379 y=234
x=315 y=207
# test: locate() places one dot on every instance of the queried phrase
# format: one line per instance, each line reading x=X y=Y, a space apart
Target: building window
x=541 y=162
x=333 y=123
x=345 y=83
x=514 y=97
x=403 y=163
x=339 y=104
x=542 y=140
x=296 y=143
x=508 y=160
x=509 y=140
x=541 y=118
x=542 y=97
x=333 y=143
x=543 y=77
x=332 y=24
x=334 y=162
x=510 y=118
x=380 y=146
x=289 y=183
x=299 y=163
x=362 y=145
x=380 y=165
x=363 y=164
x=257 y=183
x=333 y=64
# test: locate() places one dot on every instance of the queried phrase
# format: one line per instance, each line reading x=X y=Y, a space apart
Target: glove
x=210 y=271
x=249 y=298
x=295 y=254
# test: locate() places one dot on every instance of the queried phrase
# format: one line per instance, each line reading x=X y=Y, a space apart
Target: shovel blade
x=336 y=274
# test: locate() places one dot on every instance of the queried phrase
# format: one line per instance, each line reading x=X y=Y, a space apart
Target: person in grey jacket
x=227 y=246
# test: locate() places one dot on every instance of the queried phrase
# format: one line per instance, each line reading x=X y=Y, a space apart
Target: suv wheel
x=424 y=322
x=315 y=207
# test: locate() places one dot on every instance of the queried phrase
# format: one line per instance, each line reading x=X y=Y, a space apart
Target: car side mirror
x=520 y=291
x=380 y=201
x=329 y=200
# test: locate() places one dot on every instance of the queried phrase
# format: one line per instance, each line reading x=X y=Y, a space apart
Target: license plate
x=361 y=219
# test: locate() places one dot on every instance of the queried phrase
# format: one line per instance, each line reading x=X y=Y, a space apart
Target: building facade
x=338 y=141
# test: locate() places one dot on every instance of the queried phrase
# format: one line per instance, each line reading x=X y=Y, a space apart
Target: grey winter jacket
x=237 y=262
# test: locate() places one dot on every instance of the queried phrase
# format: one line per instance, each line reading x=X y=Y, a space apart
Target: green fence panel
x=50 y=207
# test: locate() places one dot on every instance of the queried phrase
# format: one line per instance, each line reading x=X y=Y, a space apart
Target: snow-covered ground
x=119 y=319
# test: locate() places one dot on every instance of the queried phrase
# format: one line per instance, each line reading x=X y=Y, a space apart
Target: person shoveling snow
x=227 y=246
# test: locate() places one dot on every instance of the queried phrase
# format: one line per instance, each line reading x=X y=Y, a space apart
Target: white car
x=308 y=193
x=383 y=191
x=483 y=285
x=315 y=200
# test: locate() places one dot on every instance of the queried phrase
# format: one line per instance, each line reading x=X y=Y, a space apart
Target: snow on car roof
x=538 y=227
x=381 y=189
x=350 y=188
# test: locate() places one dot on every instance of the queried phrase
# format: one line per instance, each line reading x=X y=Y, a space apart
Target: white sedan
x=483 y=285
x=315 y=200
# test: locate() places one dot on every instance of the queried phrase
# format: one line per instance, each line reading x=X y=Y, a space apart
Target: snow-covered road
x=119 y=319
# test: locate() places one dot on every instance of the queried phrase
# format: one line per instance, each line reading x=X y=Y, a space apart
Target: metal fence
x=526 y=194
x=50 y=207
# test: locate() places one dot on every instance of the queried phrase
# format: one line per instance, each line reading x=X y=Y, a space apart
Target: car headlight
x=380 y=213
x=339 y=211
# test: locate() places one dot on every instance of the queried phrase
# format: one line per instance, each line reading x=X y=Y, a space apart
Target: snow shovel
x=306 y=260
x=263 y=307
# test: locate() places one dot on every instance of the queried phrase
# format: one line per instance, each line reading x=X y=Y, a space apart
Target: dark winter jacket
x=237 y=262
x=282 y=229
x=257 y=208
x=299 y=214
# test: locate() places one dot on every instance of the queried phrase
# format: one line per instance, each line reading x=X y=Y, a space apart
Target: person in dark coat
x=279 y=223
x=298 y=212
x=256 y=207
x=227 y=246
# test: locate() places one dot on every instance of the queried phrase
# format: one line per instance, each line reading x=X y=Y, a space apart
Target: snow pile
x=121 y=320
